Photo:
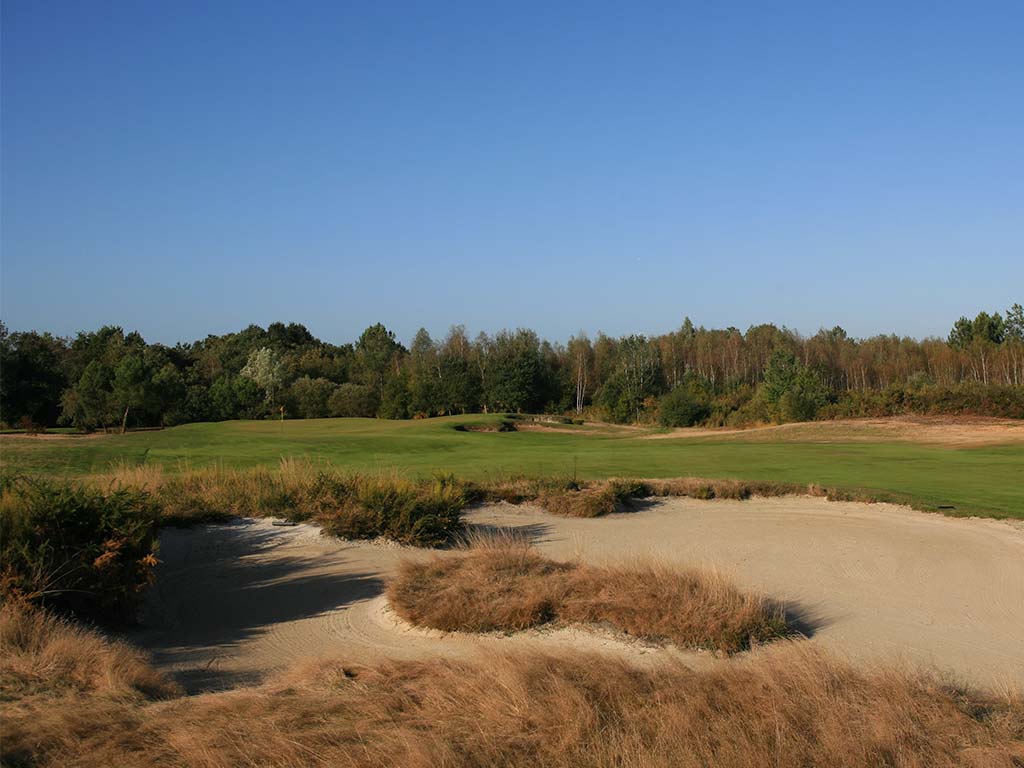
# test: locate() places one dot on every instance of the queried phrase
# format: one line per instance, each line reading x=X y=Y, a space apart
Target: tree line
x=109 y=379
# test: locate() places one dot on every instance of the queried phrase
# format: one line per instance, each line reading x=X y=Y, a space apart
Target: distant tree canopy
x=109 y=379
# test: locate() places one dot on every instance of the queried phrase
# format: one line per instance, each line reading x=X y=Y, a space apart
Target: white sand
x=873 y=582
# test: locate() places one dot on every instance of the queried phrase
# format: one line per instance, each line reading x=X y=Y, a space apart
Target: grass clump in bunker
x=503 y=584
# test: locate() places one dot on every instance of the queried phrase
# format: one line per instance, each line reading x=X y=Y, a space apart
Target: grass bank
x=503 y=584
x=985 y=480
x=786 y=705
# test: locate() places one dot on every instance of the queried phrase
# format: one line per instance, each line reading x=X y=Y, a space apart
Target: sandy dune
x=235 y=602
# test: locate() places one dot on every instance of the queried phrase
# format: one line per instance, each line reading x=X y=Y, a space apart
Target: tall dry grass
x=502 y=583
x=361 y=505
x=42 y=654
x=425 y=512
x=596 y=498
x=787 y=705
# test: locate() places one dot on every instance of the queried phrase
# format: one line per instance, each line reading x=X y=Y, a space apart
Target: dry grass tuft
x=62 y=685
x=503 y=584
x=43 y=655
x=788 y=705
x=690 y=608
x=603 y=497
x=379 y=504
x=586 y=501
x=498 y=584
x=350 y=505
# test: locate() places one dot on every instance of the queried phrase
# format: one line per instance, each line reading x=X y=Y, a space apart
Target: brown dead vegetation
x=352 y=504
x=503 y=584
x=930 y=430
x=786 y=705
x=45 y=656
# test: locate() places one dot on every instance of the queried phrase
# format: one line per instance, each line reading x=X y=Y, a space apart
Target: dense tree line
x=109 y=379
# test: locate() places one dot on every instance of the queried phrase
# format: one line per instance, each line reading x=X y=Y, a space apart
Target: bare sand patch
x=234 y=603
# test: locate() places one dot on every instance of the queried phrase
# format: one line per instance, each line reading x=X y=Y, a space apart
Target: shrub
x=797 y=405
x=410 y=512
x=27 y=425
x=751 y=412
x=75 y=547
x=969 y=399
x=681 y=408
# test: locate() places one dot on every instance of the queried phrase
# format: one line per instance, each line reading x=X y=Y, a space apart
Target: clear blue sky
x=190 y=167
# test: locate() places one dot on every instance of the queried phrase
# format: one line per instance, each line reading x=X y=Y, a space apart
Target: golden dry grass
x=45 y=655
x=501 y=583
x=60 y=681
x=349 y=504
x=787 y=705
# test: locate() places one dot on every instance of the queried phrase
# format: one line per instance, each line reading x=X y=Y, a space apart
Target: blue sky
x=183 y=168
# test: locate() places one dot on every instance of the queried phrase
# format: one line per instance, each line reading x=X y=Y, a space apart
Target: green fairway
x=984 y=480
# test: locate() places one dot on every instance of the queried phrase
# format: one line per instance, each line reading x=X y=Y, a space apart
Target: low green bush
x=76 y=548
x=684 y=406
x=409 y=512
x=971 y=399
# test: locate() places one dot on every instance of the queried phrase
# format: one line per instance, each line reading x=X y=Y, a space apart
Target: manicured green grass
x=985 y=480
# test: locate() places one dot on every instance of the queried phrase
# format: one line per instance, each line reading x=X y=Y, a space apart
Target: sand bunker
x=236 y=602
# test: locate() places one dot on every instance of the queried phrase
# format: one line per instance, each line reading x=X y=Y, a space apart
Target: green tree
x=961 y=334
x=31 y=377
x=1014 y=324
x=989 y=328
x=514 y=372
x=249 y=399
x=636 y=378
x=264 y=367
x=457 y=387
x=780 y=374
x=395 y=402
x=130 y=386
x=223 y=403
x=792 y=390
x=309 y=397
x=89 y=404
x=351 y=400
x=424 y=375
x=985 y=328
x=376 y=356
x=168 y=394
